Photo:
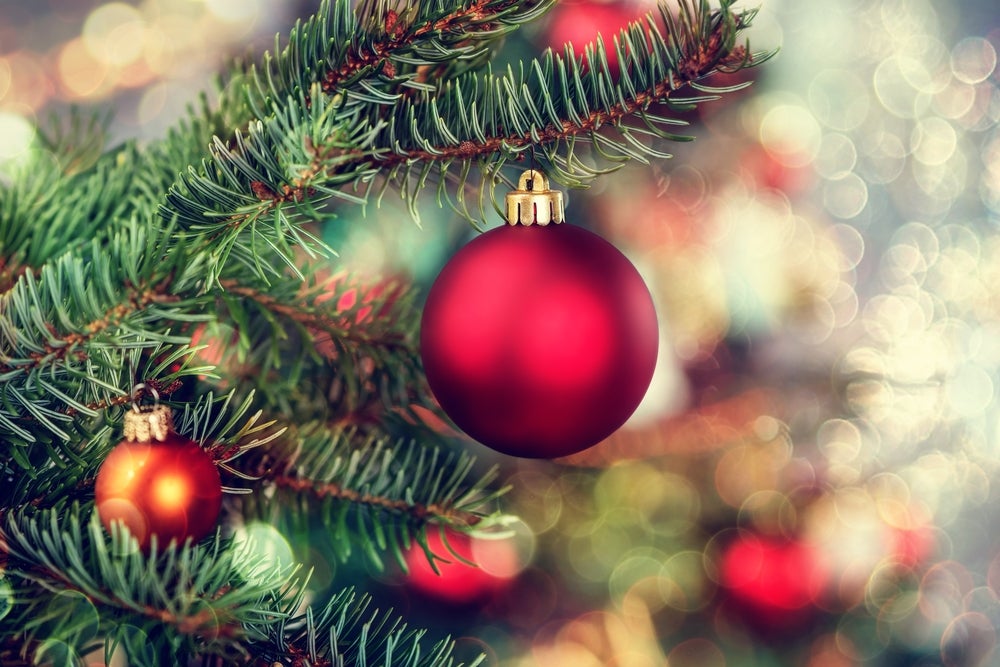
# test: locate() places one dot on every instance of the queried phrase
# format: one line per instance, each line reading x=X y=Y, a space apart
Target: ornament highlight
x=539 y=338
x=157 y=482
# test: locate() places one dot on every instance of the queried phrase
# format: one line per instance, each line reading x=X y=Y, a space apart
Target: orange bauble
x=169 y=488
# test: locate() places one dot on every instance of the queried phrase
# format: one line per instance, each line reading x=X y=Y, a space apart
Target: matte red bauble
x=538 y=340
x=165 y=486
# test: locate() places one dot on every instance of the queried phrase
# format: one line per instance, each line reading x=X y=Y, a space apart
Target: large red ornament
x=539 y=340
x=164 y=485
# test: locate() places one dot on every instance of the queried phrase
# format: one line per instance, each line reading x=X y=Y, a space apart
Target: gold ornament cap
x=533 y=203
x=147 y=424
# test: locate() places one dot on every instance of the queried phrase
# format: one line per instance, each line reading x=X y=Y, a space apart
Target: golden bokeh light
x=114 y=33
x=81 y=75
x=122 y=45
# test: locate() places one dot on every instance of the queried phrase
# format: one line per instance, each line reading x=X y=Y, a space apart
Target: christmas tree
x=192 y=276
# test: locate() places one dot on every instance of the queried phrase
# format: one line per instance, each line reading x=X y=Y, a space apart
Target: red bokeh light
x=773 y=583
x=457 y=582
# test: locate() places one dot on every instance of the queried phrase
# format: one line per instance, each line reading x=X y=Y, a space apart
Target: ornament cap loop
x=533 y=203
x=146 y=424
x=137 y=394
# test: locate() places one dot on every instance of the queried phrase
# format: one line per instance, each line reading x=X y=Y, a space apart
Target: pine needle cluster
x=194 y=267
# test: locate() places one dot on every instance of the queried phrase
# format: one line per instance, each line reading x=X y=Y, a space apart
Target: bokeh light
x=56 y=52
x=265 y=551
x=16 y=136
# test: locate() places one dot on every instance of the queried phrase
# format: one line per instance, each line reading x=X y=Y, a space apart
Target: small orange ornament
x=157 y=482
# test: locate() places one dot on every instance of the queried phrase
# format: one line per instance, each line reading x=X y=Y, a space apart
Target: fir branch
x=372 y=494
x=68 y=336
x=45 y=213
x=202 y=594
x=331 y=348
x=429 y=37
x=349 y=325
x=420 y=513
x=363 y=54
x=58 y=346
x=561 y=103
x=212 y=600
x=77 y=140
x=346 y=633
x=315 y=149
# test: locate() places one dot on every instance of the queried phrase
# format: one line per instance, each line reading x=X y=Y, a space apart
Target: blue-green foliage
x=304 y=389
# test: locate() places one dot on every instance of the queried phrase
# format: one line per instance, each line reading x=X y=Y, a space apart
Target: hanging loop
x=137 y=394
x=146 y=423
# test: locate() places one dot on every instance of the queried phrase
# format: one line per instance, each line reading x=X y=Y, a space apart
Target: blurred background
x=812 y=476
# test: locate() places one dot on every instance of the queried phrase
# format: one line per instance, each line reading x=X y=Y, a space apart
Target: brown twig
x=10 y=272
x=316 y=321
x=448 y=515
x=398 y=37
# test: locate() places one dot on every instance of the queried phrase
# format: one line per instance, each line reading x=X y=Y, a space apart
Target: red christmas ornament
x=773 y=583
x=581 y=23
x=539 y=340
x=157 y=482
x=457 y=582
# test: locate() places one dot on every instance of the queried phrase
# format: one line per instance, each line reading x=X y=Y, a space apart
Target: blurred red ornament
x=539 y=340
x=580 y=23
x=773 y=584
x=457 y=582
x=213 y=347
x=165 y=486
x=360 y=303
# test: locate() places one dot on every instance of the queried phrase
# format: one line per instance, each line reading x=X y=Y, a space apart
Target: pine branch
x=77 y=140
x=46 y=212
x=371 y=494
x=190 y=598
x=331 y=349
x=352 y=320
x=384 y=45
x=68 y=337
x=312 y=148
x=346 y=633
x=71 y=192
x=196 y=600
x=560 y=104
